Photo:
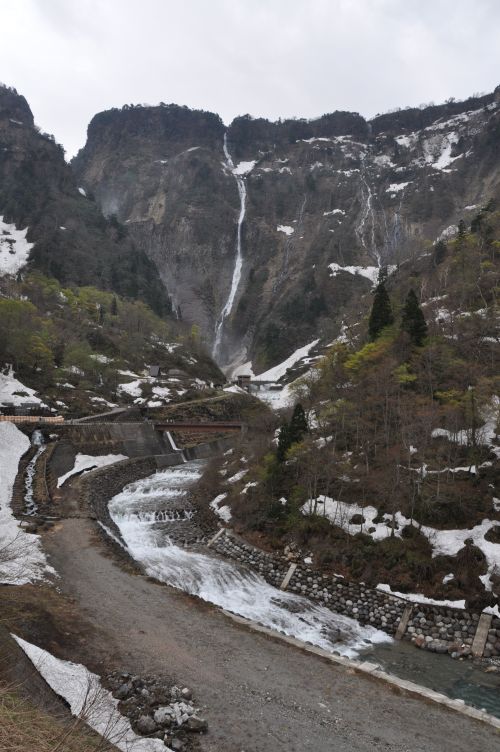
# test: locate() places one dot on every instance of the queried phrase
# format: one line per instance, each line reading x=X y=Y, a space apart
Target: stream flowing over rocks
x=149 y=538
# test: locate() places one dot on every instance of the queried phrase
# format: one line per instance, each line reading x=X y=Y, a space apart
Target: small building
x=244 y=380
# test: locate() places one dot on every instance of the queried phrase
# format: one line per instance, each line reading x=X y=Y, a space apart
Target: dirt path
x=261 y=695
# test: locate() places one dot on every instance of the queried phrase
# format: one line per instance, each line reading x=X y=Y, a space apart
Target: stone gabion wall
x=270 y=566
x=492 y=647
x=366 y=605
x=437 y=629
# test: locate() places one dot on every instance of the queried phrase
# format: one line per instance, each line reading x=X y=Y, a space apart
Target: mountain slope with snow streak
x=336 y=191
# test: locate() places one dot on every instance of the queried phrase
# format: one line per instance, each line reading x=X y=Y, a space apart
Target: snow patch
x=243 y=168
x=88 y=700
x=397 y=187
x=11 y=390
x=370 y=272
x=419 y=598
x=286 y=229
x=14 y=248
x=275 y=373
x=86 y=462
x=223 y=511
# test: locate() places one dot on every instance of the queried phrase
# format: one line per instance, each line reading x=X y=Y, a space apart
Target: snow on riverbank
x=443 y=542
x=223 y=583
x=88 y=700
x=419 y=598
x=21 y=557
x=86 y=462
x=14 y=248
x=221 y=510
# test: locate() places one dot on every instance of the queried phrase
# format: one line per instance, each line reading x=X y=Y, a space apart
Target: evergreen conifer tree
x=381 y=313
x=298 y=424
x=413 y=321
x=284 y=442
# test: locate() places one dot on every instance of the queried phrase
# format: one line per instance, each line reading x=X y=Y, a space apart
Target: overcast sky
x=272 y=58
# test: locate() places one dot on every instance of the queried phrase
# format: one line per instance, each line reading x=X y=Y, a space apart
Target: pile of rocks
x=157 y=709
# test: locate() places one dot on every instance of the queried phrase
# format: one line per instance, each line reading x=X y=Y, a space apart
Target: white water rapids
x=29 y=501
x=223 y=583
x=240 y=181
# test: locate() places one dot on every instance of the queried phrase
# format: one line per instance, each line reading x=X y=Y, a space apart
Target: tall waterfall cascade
x=238 y=263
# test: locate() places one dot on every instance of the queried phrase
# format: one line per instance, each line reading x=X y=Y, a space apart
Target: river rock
x=122 y=692
x=186 y=693
x=175 y=744
x=196 y=724
x=145 y=725
x=164 y=716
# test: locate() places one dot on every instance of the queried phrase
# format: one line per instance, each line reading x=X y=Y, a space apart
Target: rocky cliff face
x=263 y=232
x=72 y=239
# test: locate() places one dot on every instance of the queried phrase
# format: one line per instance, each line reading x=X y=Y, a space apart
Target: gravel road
x=260 y=695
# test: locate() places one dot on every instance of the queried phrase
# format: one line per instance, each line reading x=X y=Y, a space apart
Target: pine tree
x=439 y=253
x=413 y=321
x=284 y=442
x=114 y=307
x=298 y=424
x=381 y=313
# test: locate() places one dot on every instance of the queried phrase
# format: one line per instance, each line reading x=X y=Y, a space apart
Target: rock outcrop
x=325 y=203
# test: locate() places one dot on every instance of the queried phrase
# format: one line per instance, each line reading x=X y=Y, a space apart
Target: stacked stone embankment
x=367 y=605
x=436 y=628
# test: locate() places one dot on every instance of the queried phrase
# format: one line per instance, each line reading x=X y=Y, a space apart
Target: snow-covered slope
x=14 y=248
x=11 y=390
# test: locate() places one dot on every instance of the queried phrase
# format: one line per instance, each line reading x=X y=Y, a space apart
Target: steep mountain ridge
x=338 y=190
x=72 y=241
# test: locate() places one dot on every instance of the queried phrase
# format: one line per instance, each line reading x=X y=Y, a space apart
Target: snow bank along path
x=229 y=586
x=21 y=557
x=88 y=700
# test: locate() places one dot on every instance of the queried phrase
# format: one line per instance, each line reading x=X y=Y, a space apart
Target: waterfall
x=224 y=583
x=240 y=181
x=174 y=446
x=29 y=501
x=368 y=213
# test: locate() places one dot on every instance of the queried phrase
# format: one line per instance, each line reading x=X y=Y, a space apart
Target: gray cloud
x=272 y=58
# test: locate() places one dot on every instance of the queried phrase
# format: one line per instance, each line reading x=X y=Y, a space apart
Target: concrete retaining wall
x=132 y=439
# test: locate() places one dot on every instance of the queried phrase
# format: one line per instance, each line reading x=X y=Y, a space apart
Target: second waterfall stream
x=223 y=583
